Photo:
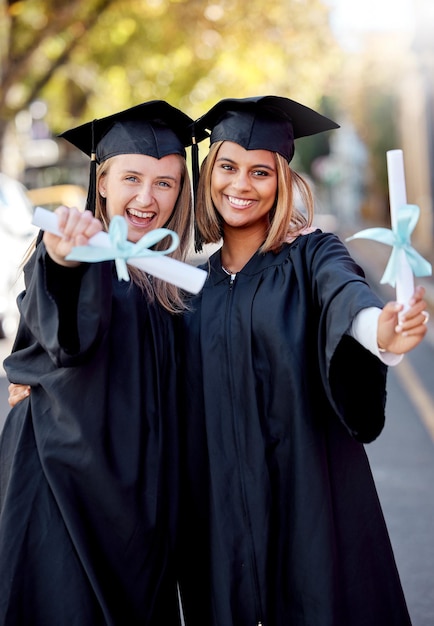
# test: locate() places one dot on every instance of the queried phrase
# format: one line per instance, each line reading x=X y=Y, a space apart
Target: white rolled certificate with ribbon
x=404 y=281
x=404 y=260
x=182 y=275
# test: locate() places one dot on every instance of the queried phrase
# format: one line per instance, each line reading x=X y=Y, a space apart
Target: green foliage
x=89 y=58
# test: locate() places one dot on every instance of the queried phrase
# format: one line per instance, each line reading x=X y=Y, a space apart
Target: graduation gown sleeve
x=339 y=291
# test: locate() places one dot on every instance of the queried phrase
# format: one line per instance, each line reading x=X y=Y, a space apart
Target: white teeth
x=141 y=214
x=239 y=201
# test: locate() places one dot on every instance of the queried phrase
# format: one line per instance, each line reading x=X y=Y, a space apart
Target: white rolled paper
x=182 y=275
x=398 y=199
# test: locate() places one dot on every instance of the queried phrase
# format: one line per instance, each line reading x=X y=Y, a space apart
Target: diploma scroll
x=182 y=275
x=404 y=262
x=398 y=200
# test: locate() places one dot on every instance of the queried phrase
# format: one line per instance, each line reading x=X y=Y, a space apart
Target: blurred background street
x=367 y=64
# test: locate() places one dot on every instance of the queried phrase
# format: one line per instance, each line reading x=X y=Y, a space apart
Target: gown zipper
x=243 y=491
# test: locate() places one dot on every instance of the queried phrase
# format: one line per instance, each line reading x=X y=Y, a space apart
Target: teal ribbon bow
x=399 y=239
x=121 y=250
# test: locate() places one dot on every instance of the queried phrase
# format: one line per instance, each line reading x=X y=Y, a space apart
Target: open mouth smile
x=239 y=203
x=140 y=218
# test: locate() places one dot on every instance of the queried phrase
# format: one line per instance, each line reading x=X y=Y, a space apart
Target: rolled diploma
x=398 y=198
x=183 y=275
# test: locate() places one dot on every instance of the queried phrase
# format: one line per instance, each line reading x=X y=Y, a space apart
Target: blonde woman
x=88 y=462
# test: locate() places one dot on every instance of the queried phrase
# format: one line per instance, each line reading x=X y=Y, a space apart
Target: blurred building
x=417 y=125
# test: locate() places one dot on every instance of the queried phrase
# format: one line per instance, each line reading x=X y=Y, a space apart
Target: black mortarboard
x=153 y=128
x=262 y=123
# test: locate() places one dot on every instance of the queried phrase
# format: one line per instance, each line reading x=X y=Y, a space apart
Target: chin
x=134 y=236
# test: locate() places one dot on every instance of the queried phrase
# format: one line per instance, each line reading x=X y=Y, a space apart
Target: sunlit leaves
x=190 y=52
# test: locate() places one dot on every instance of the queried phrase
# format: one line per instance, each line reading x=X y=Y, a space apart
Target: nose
x=242 y=180
x=144 y=197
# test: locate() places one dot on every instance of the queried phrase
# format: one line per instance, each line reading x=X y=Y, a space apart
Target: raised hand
x=77 y=227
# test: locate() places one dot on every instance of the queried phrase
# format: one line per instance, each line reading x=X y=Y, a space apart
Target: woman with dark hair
x=281 y=520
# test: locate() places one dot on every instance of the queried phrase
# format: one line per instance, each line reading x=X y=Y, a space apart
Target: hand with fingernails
x=400 y=331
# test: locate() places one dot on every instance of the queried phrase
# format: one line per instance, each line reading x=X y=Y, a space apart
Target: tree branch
x=66 y=19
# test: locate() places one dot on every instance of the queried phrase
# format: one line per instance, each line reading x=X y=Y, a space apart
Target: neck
x=238 y=248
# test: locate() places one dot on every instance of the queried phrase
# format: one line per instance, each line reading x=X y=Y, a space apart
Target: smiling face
x=142 y=189
x=244 y=186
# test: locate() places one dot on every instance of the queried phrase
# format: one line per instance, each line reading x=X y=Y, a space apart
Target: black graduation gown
x=88 y=464
x=282 y=523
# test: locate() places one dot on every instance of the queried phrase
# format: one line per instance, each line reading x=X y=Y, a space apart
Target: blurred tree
x=89 y=58
x=37 y=37
x=370 y=84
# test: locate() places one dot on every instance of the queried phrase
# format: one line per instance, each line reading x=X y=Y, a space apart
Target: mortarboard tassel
x=195 y=173
x=91 y=192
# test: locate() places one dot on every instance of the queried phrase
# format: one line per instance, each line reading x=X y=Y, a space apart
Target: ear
x=102 y=186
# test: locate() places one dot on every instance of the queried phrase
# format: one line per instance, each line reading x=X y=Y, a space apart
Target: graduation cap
x=262 y=123
x=153 y=128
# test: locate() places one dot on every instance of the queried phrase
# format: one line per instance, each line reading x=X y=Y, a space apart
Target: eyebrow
x=267 y=167
x=128 y=171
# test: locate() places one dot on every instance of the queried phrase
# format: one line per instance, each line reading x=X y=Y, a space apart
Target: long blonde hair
x=180 y=221
x=285 y=217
